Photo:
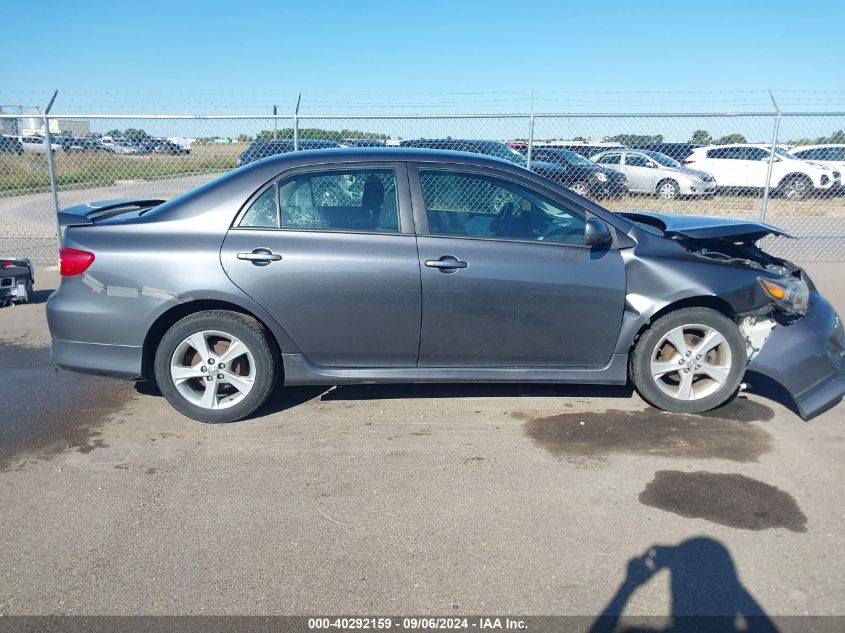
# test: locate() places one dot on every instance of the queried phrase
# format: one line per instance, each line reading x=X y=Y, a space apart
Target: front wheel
x=581 y=187
x=668 y=189
x=216 y=366
x=689 y=361
x=796 y=187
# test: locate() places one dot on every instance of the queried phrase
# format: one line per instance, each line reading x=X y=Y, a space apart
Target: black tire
x=796 y=187
x=640 y=364
x=250 y=332
x=581 y=187
x=668 y=189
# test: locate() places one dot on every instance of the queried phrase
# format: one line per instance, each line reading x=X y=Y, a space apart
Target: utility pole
x=51 y=164
x=275 y=123
x=296 y=124
x=531 y=131
x=771 y=158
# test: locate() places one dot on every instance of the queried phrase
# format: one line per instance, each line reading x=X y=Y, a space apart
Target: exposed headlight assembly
x=790 y=295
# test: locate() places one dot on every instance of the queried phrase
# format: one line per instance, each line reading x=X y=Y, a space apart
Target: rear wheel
x=216 y=366
x=689 y=361
x=796 y=187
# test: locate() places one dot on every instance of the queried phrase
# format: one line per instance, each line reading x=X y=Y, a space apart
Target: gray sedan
x=352 y=266
x=656 y=173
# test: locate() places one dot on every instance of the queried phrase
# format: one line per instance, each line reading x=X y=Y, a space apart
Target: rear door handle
x=260 y=256
x=447 y=263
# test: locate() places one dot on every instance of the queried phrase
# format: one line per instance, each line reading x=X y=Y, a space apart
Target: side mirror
x=597 y=233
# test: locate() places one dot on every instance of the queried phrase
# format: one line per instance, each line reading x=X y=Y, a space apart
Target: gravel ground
x=408 y=499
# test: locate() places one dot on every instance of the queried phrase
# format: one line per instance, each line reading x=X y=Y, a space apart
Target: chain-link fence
x=706 y=164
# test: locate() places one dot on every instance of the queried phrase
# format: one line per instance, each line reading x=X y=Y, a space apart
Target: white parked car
x=656 y=173
x=832 y=156
x=745 y=166
x=36 y=144
x=118 y=146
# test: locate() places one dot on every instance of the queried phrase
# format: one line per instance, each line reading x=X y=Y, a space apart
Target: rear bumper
x=807 y=358
x=118 y=361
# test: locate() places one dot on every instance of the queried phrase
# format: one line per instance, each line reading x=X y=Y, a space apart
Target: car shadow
x=474 y=390
x=284 y=398
x=41 y=296
x=280 y=399
x=706 y=593
x=765 y=387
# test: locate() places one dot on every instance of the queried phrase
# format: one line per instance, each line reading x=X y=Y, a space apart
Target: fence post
x=296 y=125
x=51 y=166
x=530 y=131
x=767 y=188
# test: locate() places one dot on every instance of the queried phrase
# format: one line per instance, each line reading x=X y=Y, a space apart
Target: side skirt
x=301 y=371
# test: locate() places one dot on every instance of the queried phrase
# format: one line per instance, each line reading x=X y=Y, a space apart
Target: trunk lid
x=89 y=213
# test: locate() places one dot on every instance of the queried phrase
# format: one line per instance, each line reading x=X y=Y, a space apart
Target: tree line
x=701 y=137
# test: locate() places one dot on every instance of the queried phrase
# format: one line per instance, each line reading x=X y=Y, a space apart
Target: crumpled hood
x=705 y=227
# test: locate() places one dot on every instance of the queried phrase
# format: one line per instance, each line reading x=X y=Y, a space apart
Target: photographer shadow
x=706 y=594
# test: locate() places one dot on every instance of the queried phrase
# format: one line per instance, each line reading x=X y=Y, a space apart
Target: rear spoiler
x=83 y=214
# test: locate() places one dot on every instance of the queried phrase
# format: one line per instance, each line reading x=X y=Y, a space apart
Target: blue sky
x=224 y=56
x=363 y=57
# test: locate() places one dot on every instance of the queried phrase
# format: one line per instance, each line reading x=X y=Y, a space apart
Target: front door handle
x=447 y=263
x=260 y=256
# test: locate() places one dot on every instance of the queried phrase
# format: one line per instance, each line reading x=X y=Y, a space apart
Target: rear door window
x=610 y=159
x=637 y=160
x=348 y=200
x=756 y=153
x=727 y=153
x=263 y=213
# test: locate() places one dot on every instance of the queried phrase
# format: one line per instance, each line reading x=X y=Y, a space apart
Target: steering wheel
x=507 y=210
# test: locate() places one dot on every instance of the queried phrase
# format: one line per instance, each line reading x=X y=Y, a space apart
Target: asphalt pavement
x=422 y=499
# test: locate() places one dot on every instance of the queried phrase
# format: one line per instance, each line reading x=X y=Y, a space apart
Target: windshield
x=661 y=159
x=779 y=151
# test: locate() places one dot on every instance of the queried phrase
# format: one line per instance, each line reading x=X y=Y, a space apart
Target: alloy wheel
x=212 y=369
x=691 y=362
x=667 y=190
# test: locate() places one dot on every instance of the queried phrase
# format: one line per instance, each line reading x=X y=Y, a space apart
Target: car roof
x=614 y=150
x=378 y=154
x=798 y=148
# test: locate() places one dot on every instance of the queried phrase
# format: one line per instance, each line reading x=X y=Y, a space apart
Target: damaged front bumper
x=807 y=358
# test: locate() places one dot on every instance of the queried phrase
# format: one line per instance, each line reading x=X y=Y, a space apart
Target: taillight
x=74 y=262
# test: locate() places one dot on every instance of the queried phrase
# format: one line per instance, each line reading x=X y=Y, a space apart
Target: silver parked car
x=372 y=265
x=656 y=173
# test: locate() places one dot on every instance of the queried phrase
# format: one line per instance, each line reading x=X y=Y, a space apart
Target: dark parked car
x=388 y=265
x=583 y=176
x=263 y=149
x=17 y=277
x=10 y=145
x=163 y=146
x=555 y=172
x=678 y=151
x=73 y=144
x=363 y=142
x=589 y=149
